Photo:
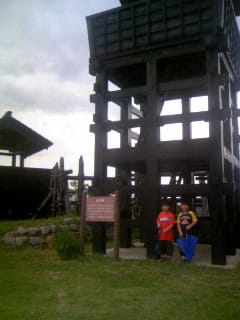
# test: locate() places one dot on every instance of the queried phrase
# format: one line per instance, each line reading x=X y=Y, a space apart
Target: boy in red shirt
x=165 y=223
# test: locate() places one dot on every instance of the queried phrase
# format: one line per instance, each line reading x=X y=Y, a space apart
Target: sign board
x=100 y=209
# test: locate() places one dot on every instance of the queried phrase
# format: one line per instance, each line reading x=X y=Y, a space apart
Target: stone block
x=9 y=239
x=45 y=230
x=34 y=231
x=73 y=227
x=35 y=241
x=22 y=231
x=20 y=241
x=68 y=220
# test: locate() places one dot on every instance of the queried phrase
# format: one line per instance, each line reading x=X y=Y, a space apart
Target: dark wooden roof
x=142 y=26
x=127 y=1
x=20 y=139
x=236 y=4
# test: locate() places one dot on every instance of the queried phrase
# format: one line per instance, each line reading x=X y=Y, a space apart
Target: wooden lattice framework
x=161 y=50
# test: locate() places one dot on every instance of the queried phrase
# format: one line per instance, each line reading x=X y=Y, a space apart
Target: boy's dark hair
x=186 y=203
x=166 y=203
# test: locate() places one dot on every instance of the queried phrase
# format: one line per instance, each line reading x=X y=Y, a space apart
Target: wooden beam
x=72 y=178
x=118 y=95
x=6 y=154
x=161 y=120
x=194 y=150
x=135 y=111
x=123 y=125
x=195 y=116
x=184 y=189
x=231 y=158
x=126 y=93
x=133 y=135
x=190 y=45
x=190 y=83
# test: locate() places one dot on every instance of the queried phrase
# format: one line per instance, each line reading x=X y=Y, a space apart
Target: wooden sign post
x=83 y=223
x=101 y=209
x=116 y=229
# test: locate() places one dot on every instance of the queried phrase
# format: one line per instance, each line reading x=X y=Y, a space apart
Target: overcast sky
x=44 y=74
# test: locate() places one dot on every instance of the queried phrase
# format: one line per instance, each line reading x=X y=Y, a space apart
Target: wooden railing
x=144 y=25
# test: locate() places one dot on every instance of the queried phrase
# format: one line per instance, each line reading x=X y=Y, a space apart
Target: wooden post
x=236 y=169
x=53 y=189
x=216 y=165
x=22 y=161
x=14 y=160
x=116 y=235
x=61 y=206
x=152 y=182
x=83 y=223
x=125 y=115
x=100 y=168
x=125 y=212
x=186 y=123
x=80 y=184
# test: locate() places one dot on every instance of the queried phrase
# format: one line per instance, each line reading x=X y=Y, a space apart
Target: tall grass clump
x=67 y=245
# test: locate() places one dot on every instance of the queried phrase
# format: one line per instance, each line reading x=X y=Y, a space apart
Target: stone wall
x=40 y=236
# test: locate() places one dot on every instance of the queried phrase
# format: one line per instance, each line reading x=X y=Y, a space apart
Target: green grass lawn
x=35 y=285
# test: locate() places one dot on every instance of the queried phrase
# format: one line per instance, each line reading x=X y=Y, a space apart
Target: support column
x=14 y=160
x=125 y=115
x=236 y=168
x=186 y=123
x=216 y=164
x=22 y=161
x=125 y=175
x=100 y=169
x=229 y=170
x=152 y=179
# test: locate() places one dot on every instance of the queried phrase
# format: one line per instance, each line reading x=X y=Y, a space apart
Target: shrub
x=67 y=245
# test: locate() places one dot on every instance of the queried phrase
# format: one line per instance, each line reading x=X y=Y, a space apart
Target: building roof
x=17 y=138
x=236 y=4
x=127 y=1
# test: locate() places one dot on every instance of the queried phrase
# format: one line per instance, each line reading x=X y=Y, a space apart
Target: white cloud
x=44 y=74
x=43 y=91
x=70 y=135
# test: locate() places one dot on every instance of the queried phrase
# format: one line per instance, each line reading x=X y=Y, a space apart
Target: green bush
x=67 y=245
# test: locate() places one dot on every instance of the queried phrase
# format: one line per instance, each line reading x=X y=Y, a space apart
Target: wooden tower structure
x=156 y=51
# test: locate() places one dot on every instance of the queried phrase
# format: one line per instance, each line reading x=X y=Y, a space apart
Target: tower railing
x=146 y=24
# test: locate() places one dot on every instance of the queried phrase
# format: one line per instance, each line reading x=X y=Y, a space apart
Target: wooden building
x=22 y=189
x=154 y=52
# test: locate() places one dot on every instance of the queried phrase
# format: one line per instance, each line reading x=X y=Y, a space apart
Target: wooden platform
x=202 y=257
